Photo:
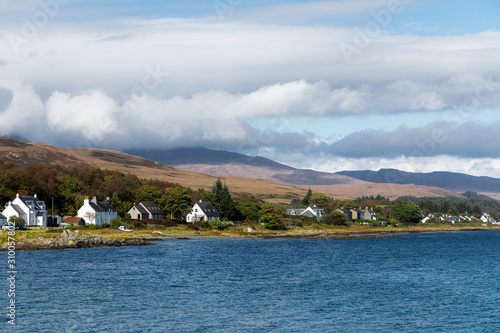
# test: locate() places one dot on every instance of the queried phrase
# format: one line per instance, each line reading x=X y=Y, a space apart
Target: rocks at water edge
x=69 y=240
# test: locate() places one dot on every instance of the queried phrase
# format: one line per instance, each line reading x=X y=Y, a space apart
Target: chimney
x=94 y=200
x=35 y=196
x=86 y=201
x=108 y=199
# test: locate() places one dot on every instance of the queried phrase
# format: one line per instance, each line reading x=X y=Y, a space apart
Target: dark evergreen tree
x=223 y=201
x=307 y=198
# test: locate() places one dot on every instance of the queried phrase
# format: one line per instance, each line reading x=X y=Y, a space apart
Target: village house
x=312 y=212
x=347 y=212
x=358 y=214
x=202 y=211
x=486 y=218
x=427 y=218
x=146 y=210
x=97 y=212
x=366 y=214
x=32 y=210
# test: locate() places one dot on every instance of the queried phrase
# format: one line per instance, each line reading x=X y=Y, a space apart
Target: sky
x=324 y=85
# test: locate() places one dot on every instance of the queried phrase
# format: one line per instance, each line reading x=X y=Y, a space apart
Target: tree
x=249 y=210
x=148 y=193
x=444 y=207
x=319 y=200
x=222 y=200
x=305 y=200
x=335 y=218
x=17 y=220
x=90 y=216
x=270 y=209
x=407 y=212
x=477 y=212
x=177 y=202
x=273 y=222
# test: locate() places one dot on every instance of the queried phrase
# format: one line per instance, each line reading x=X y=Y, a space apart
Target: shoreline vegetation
x=67 y=238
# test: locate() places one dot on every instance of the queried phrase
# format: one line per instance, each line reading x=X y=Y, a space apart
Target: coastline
x=69 y=240
x=52 y=240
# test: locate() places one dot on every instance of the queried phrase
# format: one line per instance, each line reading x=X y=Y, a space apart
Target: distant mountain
x=456 y=182
x=224 y=163
x=200 y=155
x=30 y=154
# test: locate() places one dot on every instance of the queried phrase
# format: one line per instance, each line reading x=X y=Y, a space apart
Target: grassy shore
x=311 y=231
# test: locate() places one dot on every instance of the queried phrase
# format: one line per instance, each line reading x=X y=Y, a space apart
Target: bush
x=136 y=224
x=218 y=224
x=273 y=222
x=203 y=224
x=116 y=222
x=335 y=218
x=106 y=225
x=193 y=226
x=94 y=227
x=165 y=222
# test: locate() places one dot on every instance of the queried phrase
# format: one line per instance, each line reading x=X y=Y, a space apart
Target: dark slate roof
x=102 y=206
x=345 y=211
x=151 y=206
x=28 y=201
x=2 y=217
x=208 y=209
x=141 y=209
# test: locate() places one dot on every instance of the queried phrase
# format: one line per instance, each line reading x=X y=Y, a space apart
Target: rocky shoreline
x=69 y=240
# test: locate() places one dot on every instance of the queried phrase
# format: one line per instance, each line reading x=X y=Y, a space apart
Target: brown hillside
x=392 y=191
x=24 y=154
x=279 y=175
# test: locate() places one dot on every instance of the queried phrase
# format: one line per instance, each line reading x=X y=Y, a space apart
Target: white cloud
x=23 y=111
x=427 y=101
x=90 y=116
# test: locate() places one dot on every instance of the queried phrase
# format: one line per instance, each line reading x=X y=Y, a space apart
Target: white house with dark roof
x=31 y=209
x=202 y=211
x=146 y=210
x=312 y=212
x=97 y=212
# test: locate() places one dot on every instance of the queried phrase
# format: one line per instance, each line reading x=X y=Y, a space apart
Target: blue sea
x=442 y=282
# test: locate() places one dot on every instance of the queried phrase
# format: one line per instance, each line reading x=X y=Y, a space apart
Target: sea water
x=442 y=282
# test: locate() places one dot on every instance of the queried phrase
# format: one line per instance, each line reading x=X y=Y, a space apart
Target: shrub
x=136 y=224
x=335 y=218
x=116 y=222
x=94 y=227
x=218 y=224
x=167 y=222
x=203 y=224
x=193 y=226
x=106 y=225
x=273 y=222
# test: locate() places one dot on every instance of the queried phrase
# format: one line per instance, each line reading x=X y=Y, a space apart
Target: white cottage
x=32 y=210
x=202 y=211
x=313 y=212
x=97 y=212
